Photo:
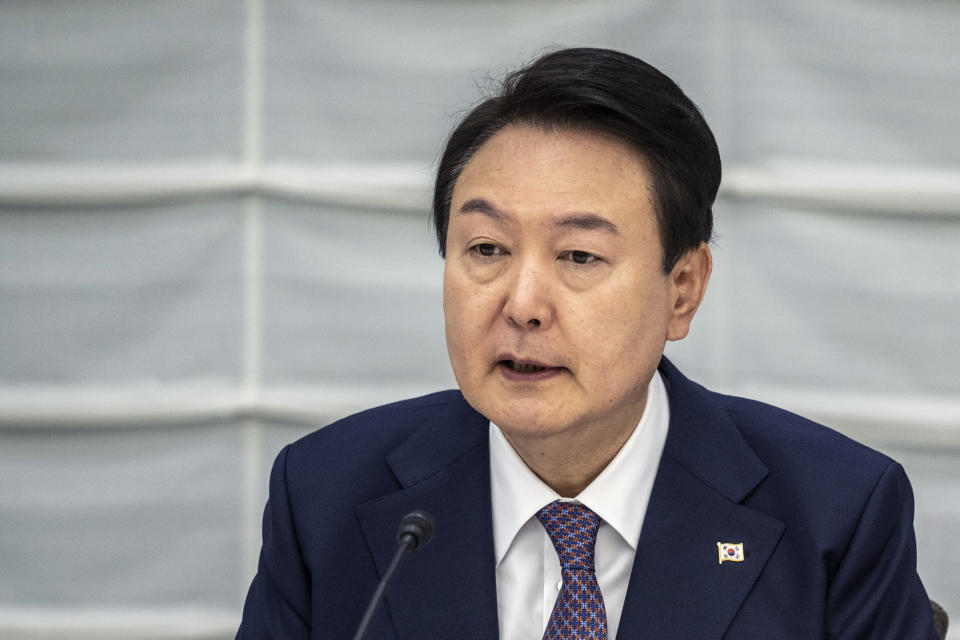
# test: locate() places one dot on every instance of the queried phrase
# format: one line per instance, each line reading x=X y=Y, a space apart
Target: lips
x=523 y=367
x=517 y=369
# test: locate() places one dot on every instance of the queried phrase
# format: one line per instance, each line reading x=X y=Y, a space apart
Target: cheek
x=471 y=301
x=465 y=317
x=453 y=314
x=614 y=331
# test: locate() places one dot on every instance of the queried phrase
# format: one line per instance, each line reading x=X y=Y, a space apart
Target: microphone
x=415 y=530
x=940 y=619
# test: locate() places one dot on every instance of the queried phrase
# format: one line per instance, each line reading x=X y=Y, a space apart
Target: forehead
x=529 y=171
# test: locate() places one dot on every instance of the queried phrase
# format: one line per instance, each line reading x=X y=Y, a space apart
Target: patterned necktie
x=579 y=613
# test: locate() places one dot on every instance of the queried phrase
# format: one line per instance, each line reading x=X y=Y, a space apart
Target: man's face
x=556 y=305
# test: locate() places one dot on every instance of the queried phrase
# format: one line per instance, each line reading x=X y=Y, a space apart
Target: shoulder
x=780 y=438
x=322 y=477
x=819 y=480
x=371 y=433
x=801 y=472
x=782 y=447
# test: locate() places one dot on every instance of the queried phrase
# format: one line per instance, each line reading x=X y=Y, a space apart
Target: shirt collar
x=619 y=495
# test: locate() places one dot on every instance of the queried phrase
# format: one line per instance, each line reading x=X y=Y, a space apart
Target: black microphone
x=415 y=530
x=940 y=619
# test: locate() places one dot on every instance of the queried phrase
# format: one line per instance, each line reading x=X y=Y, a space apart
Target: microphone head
x=416 y=529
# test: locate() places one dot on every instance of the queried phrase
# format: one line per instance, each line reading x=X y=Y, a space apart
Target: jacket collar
x=447 y=589
x=677 y=588
x=705 y=441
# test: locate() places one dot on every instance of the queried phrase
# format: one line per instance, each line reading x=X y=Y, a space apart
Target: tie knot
x=573 y=530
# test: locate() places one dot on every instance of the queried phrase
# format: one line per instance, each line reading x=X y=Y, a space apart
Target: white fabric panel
x=856 y=81
x=829 y=300
x=125 y=296
x=352 y=299
x=850 y=81
x=383 y=80
x=121 y=518
x=149 y=527
x=114 y=81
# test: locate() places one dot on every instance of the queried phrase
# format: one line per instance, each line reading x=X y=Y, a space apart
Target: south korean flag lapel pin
x=730 y=551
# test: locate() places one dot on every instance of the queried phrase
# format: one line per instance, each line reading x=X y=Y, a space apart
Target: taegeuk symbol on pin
x=730 y=551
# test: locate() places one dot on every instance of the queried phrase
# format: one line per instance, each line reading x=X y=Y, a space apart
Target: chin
x=528 y=418
x=543 y=409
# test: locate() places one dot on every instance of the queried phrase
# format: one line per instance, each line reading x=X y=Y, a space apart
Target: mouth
x=522 y=367
x=526 y=370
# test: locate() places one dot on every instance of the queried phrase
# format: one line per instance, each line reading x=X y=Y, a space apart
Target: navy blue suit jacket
x=826 y=526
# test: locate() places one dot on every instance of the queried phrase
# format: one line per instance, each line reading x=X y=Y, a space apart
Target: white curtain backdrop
x=213 y=238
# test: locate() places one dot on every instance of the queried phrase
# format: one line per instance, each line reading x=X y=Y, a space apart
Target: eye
x=486 y=249
x=579 y=257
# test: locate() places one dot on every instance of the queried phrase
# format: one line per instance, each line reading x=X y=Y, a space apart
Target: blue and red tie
x=579 y=613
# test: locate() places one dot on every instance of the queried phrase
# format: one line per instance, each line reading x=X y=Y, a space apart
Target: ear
x=688 y=282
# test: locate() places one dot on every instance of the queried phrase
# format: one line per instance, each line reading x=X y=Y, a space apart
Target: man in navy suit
x=573 y=210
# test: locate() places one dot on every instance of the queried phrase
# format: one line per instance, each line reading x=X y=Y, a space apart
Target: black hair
x=608 y=92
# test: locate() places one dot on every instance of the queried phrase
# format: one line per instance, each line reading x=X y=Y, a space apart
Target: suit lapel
x=448 y=588
x=678 y=588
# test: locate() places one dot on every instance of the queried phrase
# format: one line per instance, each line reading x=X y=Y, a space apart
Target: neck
x=569 y=462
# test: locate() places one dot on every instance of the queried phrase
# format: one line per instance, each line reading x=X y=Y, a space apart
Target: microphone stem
x=406 y=544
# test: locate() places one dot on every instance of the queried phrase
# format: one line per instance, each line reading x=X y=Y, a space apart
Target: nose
x=528 y=305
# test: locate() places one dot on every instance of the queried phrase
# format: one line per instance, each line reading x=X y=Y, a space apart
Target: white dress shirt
x=528 y=569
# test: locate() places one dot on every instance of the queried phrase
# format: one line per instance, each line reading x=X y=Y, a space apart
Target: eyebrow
x=583 y=221
x=479 y=205
x=588 y=222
